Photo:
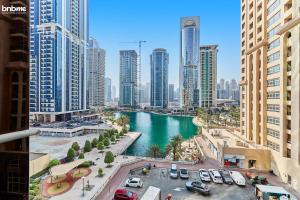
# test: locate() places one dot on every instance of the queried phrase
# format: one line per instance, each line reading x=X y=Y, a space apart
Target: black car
x=197 y=186
x=226 y=176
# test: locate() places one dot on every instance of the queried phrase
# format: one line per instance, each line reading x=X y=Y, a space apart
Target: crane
x=139 y=66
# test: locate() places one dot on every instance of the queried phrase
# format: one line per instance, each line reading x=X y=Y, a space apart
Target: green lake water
x=157 y=129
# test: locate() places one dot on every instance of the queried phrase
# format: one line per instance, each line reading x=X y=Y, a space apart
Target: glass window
x=273 y=6
x=274 y=18
x=273 y=82
x=274 y=56
x=273 y=31
x=273 y=69
x=273 y=133
x=273 y=107
x=273 y=120
x=274 y=43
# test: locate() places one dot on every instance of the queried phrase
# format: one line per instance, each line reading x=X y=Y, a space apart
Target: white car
x=183 y=173
x=204 y=175
x=134 y=182
x=173 y=171
x=215 y=176
x=238 y=178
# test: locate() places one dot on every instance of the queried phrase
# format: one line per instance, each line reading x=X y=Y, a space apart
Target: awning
x=272 y=189
x=65 y=168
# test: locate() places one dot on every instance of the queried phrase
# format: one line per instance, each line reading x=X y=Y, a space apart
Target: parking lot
x=159 y=177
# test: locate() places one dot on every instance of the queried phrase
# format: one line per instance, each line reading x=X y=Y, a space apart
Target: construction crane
x=139 y=66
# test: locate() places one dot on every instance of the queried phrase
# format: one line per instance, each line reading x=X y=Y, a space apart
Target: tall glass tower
x=159 y=60
x=189 y=62
x=58 y=43
x=128 y=78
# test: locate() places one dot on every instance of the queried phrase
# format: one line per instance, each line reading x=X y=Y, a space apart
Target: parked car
x=226 y=176
x=204 y=175
x=238 y=178
x=134 y=182
x=197 y=186
x=183 y=173
x=173 y=171
x=122 y=194
x=215 y=176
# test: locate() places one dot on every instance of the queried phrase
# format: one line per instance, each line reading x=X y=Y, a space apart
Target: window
x=273 y=120
x=273 y=82
x=273 y=56
x=273 y=31
x=273 y=133
x=273 y=107
x=273 y=95
x=274 y=18
x=273 y=69
x=273 y=145
x=274 y=43
x=273 y=6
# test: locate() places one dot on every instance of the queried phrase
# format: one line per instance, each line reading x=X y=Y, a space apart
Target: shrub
x=94 y=142
x=124 y=130
x=100 y=172
x=71 y=154
x=53 y=162
x=81 y=156
x=112 y=138
x=121 y=134
x=106 y=142
x=116 y=130
x=87 y=146
x=106 y=134
x=100 y=146
x=117 y=136
x=85 y=164
x=109 y=158
x=75 y=146
x=101 y=138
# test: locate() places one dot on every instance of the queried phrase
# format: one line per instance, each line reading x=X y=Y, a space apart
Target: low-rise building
x=38 y=162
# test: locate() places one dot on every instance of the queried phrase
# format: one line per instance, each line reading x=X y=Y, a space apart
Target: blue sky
x=157 y=21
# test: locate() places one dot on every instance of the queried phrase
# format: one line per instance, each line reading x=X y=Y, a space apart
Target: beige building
x=270 y=81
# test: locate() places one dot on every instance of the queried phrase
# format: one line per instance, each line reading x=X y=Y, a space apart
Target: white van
x=152 y=193
x=215 y=176
x=173 y=171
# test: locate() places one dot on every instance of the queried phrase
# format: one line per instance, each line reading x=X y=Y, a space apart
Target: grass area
x=58 y=188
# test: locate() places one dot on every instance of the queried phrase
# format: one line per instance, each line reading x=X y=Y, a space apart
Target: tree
x=53 y=162
x=124 y=130
x=154 y=151
x=106 y=142
x=81 y=156
x=175 y=146
x=101 y=138
x=106 y=134
x=100 y=146
x=100 y=172
x=116 y=130
x=87 y=146
x=94 y=142
x=112 y=138
x=123 y=120
x=71 y=154
x=75 y=146
x=109 y=158
x=117 y=136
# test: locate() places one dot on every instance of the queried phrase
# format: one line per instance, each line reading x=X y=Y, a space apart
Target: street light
x=83 y=185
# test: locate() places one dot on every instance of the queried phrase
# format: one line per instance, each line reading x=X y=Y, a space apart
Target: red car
x=122 y=194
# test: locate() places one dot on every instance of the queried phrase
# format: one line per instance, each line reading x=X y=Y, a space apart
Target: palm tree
x=154 y=151
x=123 y=120
x=174 y=146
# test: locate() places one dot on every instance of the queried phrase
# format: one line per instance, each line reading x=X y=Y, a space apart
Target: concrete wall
x=38 y=164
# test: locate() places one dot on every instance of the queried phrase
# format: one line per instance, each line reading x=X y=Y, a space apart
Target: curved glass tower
x=189 y=62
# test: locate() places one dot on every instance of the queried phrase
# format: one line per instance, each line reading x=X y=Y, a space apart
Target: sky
x=113 y=22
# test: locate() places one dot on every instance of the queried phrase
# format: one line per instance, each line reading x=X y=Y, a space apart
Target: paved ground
x=159 y=177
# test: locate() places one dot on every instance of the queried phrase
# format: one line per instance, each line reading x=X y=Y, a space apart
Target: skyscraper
x=108 y=89
x=208 y=74
x=58 y=42
x=159 y=61
x=114 y=93
x=14 y=102
x=189 y=62
x=96 y=73
x=171 y=93
x=270 y=82
x=128 y=78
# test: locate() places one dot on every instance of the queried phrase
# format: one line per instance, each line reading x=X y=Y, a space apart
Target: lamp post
x=83 y=185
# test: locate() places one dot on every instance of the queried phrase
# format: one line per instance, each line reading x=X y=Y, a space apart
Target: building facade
x=159 y=61
x=128 y=95
x=58 y=44
x=270 y=81
x=189 y=79
x=171 y=93
x=108 y=96
x=96 y=74
x=208 y=74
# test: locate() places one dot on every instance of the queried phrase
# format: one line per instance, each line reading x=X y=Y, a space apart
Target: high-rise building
x=270 y=82
x=222 y=84
x=114 y=93
x=95 y=74
x=189 y=79
x=147 y=92
x=208 y=74
x=14 y=102
x=108 y=89
x=171 y=93
x=128 y=95
x=227 y=90
x=159 y=61
x=58 y=43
